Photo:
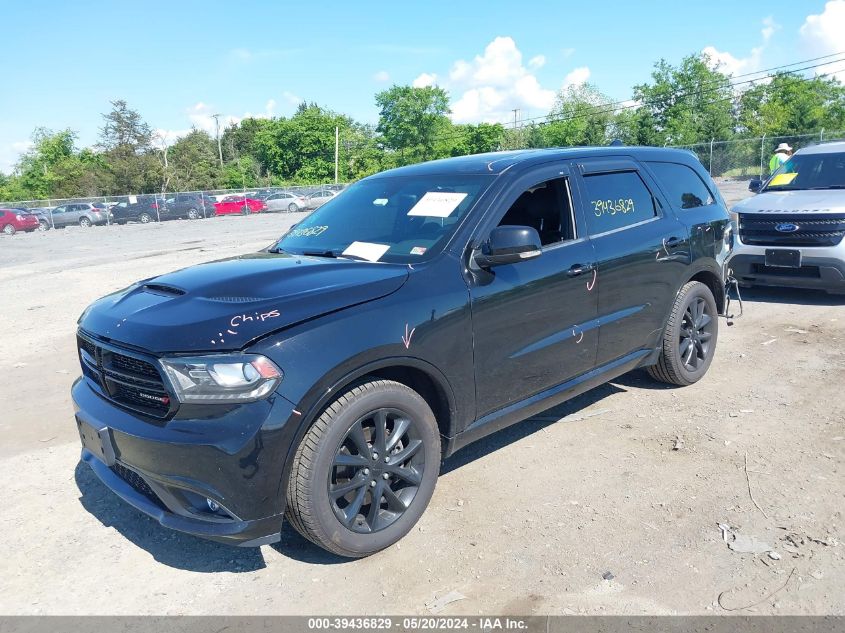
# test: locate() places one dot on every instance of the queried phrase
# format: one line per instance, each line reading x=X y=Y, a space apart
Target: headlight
x=223 y=378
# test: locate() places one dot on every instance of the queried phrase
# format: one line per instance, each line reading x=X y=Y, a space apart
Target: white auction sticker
x=437 y=204
x=366 y=250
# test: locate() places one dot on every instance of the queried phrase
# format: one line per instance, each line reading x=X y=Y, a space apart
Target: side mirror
x=755 y=185
x=509 y=245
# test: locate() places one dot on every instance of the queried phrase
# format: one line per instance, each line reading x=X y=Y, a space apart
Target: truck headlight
x=222 y=378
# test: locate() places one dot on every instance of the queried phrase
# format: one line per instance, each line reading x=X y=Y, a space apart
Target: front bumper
x=822 y=273
x=233 y=455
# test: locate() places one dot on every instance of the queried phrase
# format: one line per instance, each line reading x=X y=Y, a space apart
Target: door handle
x=672 y=242
x=579 y=269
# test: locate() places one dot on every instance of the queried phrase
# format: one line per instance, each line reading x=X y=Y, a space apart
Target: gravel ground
x=608 y=504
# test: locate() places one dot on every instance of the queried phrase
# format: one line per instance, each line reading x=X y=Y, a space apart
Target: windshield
x=399 y=219
x=810 y=171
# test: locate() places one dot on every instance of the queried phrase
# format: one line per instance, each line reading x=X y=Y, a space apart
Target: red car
x=239 y=204
x=12 y=221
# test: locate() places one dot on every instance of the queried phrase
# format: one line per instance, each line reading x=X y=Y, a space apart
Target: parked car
x=325 y=378
x=192 y=206
x=239 y=204
x=285 y=201
x=145 y=209
x=13 y=220
x=44 y=215
x=82 y=213
x=319 y=198
x=791 y=232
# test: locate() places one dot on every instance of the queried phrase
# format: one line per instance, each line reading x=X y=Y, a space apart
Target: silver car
x=81 y=213
x=285 y=201
x=319 y=198
x=792 y=233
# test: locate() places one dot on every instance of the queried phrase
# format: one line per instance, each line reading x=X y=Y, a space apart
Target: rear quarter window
x=616 y=200
x=686 y=189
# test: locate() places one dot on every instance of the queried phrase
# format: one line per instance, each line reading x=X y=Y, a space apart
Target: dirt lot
x=633 y=479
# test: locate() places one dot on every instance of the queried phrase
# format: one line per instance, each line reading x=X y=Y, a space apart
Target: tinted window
x=616 y=200
x=685 y=187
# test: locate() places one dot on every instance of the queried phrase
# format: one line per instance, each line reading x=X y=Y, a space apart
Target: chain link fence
x=743 y=159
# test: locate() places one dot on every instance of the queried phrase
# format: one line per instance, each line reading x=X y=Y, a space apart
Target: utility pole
x=336 y=146
x=515 y=115
x=217 y=127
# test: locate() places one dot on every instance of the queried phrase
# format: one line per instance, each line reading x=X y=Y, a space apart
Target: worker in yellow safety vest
x=781 y=155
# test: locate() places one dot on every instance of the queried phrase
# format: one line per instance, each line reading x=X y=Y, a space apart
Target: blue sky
x=178 y=62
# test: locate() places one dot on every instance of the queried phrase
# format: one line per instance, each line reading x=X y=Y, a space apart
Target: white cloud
x=822 y=34
x=291 y=98
x=425 y=79
x=495 y=83
x=577 y=77
x=381 y=76
x=11 y=154
x=538 y=61
x=730 y=64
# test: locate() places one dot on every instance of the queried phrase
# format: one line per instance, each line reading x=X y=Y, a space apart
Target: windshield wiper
x=333 y=255
x=827 y=187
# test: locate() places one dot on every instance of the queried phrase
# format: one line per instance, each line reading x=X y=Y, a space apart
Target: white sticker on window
x=380 y=202
x=437 y=204
x=366 y=250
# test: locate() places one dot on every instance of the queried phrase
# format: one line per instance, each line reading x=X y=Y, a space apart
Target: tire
x=244 y=211
x=85 y=221
x=9 y=229
x=43 y=225
x=193 y=214
x=293 y=207
x=405 y=486
x=687 y=351
x=145 y=218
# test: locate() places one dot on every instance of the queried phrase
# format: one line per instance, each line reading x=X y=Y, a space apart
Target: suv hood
x=807 y=201
x=224 y=305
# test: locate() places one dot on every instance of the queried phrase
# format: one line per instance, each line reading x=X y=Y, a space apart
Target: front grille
x=813 y=229
x=125 y=379
x=136 y=481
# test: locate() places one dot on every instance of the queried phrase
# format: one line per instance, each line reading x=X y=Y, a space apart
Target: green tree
x=684 y=104
x=790 y=105
x=463 y=140
x=53 y=168
x=126 y=142
x=193 y=162
x=580 y=116
x=410 y=119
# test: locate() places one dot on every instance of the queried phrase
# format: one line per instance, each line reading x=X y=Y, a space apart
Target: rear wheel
x=293 y=208
x=689 y=340
x=145 y=218
x=85 y=222
x=244 y=210
x=193 y=214
x=365 y=471
x=43 y=225
x=9 y=229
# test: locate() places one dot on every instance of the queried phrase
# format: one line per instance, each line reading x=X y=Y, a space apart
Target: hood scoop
x=163 y=289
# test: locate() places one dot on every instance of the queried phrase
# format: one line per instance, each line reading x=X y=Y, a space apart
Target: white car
x=791 y=233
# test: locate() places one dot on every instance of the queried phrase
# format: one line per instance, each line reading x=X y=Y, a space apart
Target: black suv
x=191 y=206
x=325 y=378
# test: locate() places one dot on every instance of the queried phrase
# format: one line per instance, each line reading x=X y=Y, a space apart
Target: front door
x=534 y=322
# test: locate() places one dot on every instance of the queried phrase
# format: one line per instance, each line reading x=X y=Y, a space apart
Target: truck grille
x=813 y=230
x=124 y=378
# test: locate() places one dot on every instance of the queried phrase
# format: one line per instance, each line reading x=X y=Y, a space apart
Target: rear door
x=534 y=322
x=641 y=249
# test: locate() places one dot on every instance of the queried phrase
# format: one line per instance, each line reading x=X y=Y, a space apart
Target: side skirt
x=518 y=411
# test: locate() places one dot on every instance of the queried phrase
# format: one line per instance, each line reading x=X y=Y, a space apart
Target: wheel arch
x=416 y=374
x=713 y=280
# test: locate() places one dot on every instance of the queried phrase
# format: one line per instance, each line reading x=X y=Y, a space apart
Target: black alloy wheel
x=696 y=333
x=376 y=471
x=689 y=338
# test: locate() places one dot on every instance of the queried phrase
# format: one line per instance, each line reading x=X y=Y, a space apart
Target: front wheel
x=689 y=340
x=366 y=469
x=9 y=229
